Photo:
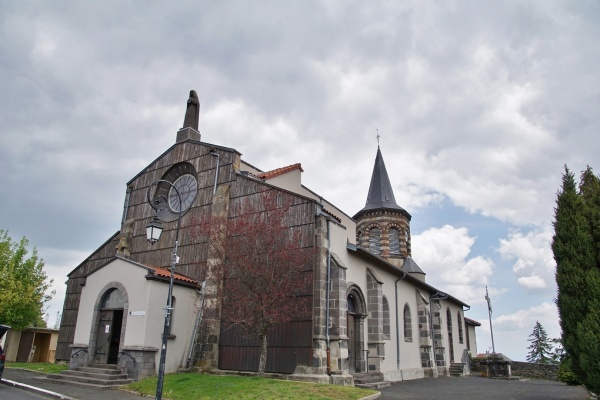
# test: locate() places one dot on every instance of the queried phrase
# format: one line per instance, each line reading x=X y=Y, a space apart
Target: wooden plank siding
x=289 y=344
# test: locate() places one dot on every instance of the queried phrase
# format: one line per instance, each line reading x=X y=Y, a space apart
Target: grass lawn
x=45 y=368
x=184 y=386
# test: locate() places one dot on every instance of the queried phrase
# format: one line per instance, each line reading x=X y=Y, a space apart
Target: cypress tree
x=576 y=248
x=588 y=330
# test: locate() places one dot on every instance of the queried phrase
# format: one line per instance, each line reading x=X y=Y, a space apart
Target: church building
x=370 y=310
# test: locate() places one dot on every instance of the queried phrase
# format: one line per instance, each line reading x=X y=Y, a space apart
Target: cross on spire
x=378 y=138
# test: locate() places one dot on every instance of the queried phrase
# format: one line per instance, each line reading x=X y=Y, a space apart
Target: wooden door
x=25 y=346
x=103 y=337
x=351 y=342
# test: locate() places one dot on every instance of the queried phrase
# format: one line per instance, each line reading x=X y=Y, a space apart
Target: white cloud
x=533 y=261
x=443 y=254
x=532 y=282
x=546 y=313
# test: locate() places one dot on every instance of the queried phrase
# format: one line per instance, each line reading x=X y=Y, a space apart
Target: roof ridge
x=280 y=171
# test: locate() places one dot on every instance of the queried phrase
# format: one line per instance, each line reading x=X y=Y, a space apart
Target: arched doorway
x=110 y=322
x=355 y=316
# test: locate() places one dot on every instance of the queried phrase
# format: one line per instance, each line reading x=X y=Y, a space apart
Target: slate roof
x=381 y=195
x=472 y=322
x=411 y=266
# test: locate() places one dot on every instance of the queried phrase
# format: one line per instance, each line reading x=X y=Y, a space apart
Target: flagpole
x=487 y=297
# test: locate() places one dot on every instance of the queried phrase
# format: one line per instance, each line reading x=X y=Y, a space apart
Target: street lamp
x=153 y=231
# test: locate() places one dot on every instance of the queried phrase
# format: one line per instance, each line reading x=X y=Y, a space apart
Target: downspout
x=398 y=324
x=195 y=332
x=327 y=290
x=215 y=154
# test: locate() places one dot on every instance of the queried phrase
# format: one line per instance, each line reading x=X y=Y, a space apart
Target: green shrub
x=565 y=375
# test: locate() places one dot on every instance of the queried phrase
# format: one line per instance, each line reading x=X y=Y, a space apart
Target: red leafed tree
x=265 y=268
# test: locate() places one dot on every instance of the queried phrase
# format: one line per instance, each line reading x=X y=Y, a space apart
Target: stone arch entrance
x=355 y=317
x=108 y=331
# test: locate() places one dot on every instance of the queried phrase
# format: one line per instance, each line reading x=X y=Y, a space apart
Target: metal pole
x=487 y=297
x=167 y=323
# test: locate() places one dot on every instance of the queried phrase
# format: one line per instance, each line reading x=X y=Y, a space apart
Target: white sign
x=107 y=328
x=137 y=313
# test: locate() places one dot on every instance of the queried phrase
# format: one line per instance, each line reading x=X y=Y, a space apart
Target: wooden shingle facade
x=355 y=289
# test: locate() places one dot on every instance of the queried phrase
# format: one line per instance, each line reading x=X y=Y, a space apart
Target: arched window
x=112 y=299
x=352 y=304
x=375 y=240
x=450 y=340
x=394 y=237
x=460 y=327
x=386 y=319
x=407 y=324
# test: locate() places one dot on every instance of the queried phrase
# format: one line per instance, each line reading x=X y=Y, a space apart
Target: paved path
x=69 y=391
x=474 y=387
x=441 y=388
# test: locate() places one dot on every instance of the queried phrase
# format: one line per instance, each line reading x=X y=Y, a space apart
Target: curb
x=372 y=397
x=36 y=390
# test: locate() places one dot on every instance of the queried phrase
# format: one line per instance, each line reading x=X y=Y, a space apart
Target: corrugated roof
x=280 y=171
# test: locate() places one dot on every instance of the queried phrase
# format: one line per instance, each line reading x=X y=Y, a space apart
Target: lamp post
x=153 y=231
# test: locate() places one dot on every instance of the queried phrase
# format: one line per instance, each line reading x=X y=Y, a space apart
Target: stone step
x=374 y=385
x=94 y=370
x=64 y=378
x=456 y=369
x=94 y=375
x=370 y=380
x=103 y=366
x=368 y=377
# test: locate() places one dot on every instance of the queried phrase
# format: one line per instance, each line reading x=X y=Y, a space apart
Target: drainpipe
x=328 y=289
x=398 y=323
x=215 y=154
x=195 y=332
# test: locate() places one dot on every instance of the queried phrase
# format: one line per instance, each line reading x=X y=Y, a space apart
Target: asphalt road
x=444 y=388
x=77 y=392
x=11 y=393
x=474 y=387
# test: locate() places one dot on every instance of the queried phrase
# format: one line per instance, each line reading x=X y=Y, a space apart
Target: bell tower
x=382 y=226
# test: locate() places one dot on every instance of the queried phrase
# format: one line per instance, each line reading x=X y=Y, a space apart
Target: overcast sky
x=479 y=105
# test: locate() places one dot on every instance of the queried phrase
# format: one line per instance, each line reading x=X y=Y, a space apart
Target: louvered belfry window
x=375 y=240
x=394 y=241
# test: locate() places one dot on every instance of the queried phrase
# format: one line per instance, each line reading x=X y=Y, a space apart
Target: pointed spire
x=380 y=194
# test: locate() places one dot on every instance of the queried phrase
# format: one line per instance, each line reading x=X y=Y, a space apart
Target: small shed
x=31 y=345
